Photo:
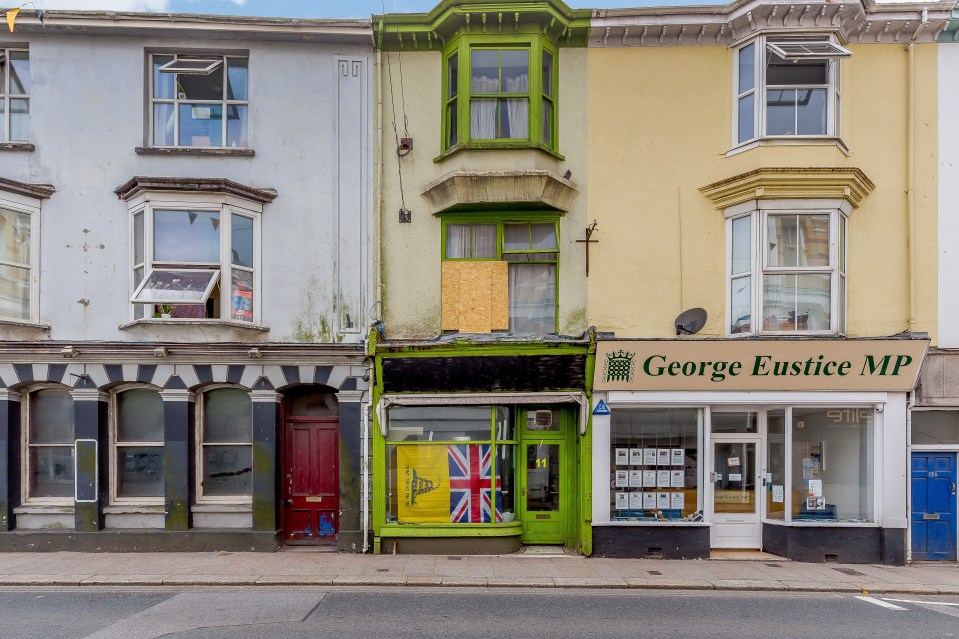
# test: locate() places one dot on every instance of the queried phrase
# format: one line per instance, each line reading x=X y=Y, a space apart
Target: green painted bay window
x=532 y=250
x=498 y=93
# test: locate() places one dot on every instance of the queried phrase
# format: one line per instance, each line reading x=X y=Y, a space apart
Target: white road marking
x=879 y=602
x=932 y=603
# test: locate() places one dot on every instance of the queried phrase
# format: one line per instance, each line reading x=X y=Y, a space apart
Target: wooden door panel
x=311 y=481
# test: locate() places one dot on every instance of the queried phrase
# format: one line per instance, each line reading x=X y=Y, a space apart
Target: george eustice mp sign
x=759 y=365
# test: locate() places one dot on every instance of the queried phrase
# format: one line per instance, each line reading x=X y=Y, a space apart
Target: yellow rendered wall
x=409 y=264
x=660 y=125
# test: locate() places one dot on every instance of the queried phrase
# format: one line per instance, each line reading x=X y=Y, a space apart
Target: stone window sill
x=222 y=508
x=134 y=509
x=186 y=323
x=497 y=146
x=791 y=141
x=44 y=509
x=21 y=324
x=166 y=150
x=16 y=146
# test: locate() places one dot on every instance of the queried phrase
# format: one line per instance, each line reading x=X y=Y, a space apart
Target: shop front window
x=451 y=464
x=832 y=464
x=654 y=464
x=776 y=464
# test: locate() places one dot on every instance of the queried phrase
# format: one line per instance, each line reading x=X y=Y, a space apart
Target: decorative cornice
x=518 y=189
x=177 y=395
x=849 y=184
x=139 y=184
x=38 y=191
x=552 y=19
x=852 y=21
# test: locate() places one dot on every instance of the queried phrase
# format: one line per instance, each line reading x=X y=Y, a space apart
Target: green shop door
x=547 y=492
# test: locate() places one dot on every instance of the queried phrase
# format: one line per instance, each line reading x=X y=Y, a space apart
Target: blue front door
x=934 y=506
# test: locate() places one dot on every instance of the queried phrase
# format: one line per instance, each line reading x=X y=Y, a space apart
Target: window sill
x=21 y=324
x=790 y=141
x=213 y=507
x=498 y=146
x=187 y=150
x=690 y=524
x=451 y=530
x=211 y=323
x=823 y=524
x=16 y=146
x=134 y=509
x=44 y=509
x=792 y=334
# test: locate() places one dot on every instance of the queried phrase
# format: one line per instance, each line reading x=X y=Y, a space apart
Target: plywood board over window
x=475 y=296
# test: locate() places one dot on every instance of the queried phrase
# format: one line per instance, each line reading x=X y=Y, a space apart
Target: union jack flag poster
x=471 y=485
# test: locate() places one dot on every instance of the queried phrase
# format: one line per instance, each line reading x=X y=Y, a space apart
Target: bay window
x=786 y=272
x=787 y=87
x=496 y=92
x=19 y=244
x=14 y=95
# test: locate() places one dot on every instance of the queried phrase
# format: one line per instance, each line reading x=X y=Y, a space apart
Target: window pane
x=547 y=122
x=543 y=419
x=185 y=237
x=506 y=474
x=796 y=302
x=163 y=124
x=832 y=464
x=236 y=78
x=139 y=416
x=15 y=292
x=227 y=470
x=440 y=423
x=796 y=72
x=177 y=287
x=306 y=402
x=741 y=245
x=547 y=73
x=19 y=73
x=935 y=427
x=194 y=86
x=542 y=477
x=532 y=298
x=811 y=105
x=740 y=309
x=842 y=304
x=227 y=416
x=643 y=444
x=163 y=83
x=747 y=120
x=241 y=308
x=776 y=464
x=452 y=75
x=14 y=237
x=734 y=484
x=780 y=112
x=139 y=310
x=798 y=240
x=514 y=118
x=51 y=417
x=51 y=471
x=3 y=120
x=529 y=257
x=140 y=471
x=242 y=240
x=484 y=65
x=19 y=120
x=138 y=238
x=746 y=422
x=543 y=235
x=515 y=71
x=457 y=240
x=747 y=68
x=516 y=237
x=842 y=243
x=452 y=124
x=484 y=240
x=201 y=124
x=483 y=118
x=236 y=126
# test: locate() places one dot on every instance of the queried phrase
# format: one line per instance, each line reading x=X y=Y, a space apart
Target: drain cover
x=454 y=558
x=774 y=565
x=654 y=572
x=850 y=571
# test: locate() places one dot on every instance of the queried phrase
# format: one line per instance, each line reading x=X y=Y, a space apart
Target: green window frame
x=480 y=111
x=540 y=248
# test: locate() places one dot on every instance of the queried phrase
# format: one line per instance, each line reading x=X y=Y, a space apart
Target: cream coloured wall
x=659 y=125
x=410 y=254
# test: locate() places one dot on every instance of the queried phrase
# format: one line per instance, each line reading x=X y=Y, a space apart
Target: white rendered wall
x=948 y=195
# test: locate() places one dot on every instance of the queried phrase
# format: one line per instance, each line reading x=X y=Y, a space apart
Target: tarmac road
x=490 y=613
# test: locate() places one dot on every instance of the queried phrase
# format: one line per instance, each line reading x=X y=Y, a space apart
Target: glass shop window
x=654 y=464
x=226 y=444
x=50 y=457
x=138 y=445
x=450 y=464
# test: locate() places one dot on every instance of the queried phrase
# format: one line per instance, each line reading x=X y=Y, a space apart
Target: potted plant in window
x=165 y=310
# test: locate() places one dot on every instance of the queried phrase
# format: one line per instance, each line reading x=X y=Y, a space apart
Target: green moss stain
x=311 y=326
x=574 y=323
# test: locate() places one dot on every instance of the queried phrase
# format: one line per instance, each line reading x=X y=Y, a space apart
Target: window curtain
x=483 y=110
x=518 y=108
x=532 y=298
x=457 y=240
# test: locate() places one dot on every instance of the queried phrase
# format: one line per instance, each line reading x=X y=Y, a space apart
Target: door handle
x=524 y=492
x=953 y=489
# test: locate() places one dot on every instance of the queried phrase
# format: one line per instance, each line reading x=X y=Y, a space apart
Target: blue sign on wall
x=601 y=408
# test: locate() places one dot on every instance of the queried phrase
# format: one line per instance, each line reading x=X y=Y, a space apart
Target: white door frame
x=759 y=439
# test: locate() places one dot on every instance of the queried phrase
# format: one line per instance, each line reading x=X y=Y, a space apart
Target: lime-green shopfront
x=481 y=446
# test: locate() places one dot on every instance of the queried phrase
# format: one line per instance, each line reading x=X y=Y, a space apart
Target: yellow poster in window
x=423 y=474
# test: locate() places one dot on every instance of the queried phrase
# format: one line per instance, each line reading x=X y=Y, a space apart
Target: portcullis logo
x=619 y=367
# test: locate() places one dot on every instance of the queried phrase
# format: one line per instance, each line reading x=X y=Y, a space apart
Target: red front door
x=311 y=480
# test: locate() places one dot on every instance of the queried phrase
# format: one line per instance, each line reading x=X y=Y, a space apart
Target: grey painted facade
x=306 y=175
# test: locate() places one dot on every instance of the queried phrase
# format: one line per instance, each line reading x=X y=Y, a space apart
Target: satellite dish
x=690 y=322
